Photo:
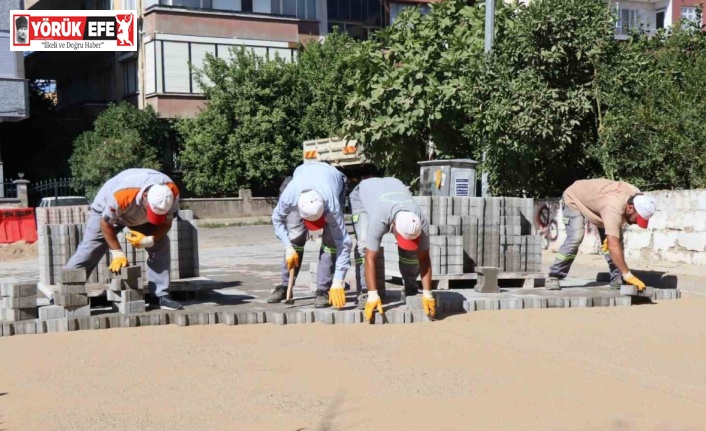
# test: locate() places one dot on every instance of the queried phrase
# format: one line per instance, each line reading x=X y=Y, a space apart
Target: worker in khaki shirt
x=609 y=205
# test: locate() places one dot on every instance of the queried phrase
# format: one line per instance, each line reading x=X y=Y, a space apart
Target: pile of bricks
x=467 y=233
x=58 y=242
x=18 y=302
x=126 y=290
x=71 y=299
x=74 y=214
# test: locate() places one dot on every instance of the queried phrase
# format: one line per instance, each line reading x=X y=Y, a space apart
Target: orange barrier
x=17 y=224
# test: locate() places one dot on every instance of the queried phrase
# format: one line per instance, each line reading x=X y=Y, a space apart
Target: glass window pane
x=289 y=7
x=374 y=17
x=311 y=9
x=332 y=9
x=261 y=6
x=356 y=9
x=301 y=5
x=344 y=11
x=226 y=4
x=275 y=7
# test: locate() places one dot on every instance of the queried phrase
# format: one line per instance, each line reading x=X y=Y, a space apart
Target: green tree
x=122 y=137
x=653 y=133
x=259 y=112
x=539 y=110
x=414 y=82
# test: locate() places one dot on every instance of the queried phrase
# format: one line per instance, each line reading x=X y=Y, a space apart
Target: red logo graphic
x=126 y=35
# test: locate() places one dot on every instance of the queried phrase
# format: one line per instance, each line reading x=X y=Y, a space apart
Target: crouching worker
x=145 y=201
x=313 y=200
x=385 y=205
x=608 y=204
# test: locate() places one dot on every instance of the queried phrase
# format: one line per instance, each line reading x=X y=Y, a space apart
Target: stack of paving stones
x=71 y=299
x=126 y=290
x=18 y=302
x=58 y=242
x=466 y=233
x=74 y=214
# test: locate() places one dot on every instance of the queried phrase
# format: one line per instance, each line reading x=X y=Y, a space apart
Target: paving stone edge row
x=326 y=316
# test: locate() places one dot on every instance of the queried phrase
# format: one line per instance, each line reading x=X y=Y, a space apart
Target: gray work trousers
x=575 y=229
x=93 y=248
x=408 y=260
x=298 y=234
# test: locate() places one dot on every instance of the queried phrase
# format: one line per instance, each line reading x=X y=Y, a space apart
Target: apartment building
x=14 y=95
x=652 y=15
x=176 y=33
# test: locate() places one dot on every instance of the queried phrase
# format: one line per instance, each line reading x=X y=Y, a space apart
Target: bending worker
x=145 y=201
x=607 y=204
x=385 y=205
x=314 y=200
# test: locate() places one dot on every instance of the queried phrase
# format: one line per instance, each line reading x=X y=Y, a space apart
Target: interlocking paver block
x=70 y=299
x=131 y=307
x=127 y=273
x=73 y=276
x=72 y=289
x=18 y=290
x=21 y=302
x=52 y=312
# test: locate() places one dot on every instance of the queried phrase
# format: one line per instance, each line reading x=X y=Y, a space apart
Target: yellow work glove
x=372 y=303
x=428 y=303
x=631 y=279
x=337 y=296
x=292 y=258
x=139 y=240
x=117 y=260
x=604 y=248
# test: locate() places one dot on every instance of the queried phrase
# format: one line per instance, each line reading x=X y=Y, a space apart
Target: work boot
x=552 y=283
x=321 y=300
x=362 y=299
x=168 y=303
x=278 y=295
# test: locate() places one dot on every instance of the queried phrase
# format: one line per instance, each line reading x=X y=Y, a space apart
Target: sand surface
x=638 y=368
x=18 y=251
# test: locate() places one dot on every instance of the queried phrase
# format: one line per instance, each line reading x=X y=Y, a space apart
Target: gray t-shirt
x=382 y=199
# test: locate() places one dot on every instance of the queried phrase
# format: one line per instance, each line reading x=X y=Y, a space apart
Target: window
x=150 y=68
x=198 y=55
x=397 y=8
x=227 y=5
x=629 y=19
x=129 y=4
x=688 y=13
x=177 y=78
x=129 y=77
x=302 y=9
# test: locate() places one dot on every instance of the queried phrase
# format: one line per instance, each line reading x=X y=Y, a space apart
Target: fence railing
x=8 y=190
x=53 y=189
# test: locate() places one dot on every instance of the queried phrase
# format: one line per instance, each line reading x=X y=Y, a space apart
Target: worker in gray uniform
x=381 y=206
x=313 y=200
x=145 y=201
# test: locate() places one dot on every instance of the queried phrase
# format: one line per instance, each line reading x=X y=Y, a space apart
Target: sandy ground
x=18 y=251
x=637 y=368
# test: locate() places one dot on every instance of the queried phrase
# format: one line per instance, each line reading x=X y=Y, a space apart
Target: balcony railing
x=623 y=32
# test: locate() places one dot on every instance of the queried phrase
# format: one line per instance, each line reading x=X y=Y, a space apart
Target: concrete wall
x=676 y=234
x=243 y=206
x=553 y=230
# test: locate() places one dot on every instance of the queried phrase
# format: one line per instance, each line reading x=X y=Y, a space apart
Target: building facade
x=176 y=33
x=651 y=16
x=14 y=95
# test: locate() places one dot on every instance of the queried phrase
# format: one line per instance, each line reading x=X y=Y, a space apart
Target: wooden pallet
x=444 y=281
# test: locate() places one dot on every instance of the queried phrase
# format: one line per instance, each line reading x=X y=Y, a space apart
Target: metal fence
x=54 y=189
x=8 y=190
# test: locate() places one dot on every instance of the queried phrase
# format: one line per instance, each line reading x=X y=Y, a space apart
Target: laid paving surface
x=236 y=280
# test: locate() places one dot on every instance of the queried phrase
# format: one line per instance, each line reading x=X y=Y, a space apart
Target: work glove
x=604 y=248
x=631 y=279
x=337 y=296
x=117 y=260
x=139 y=240
x=428 y=303
x=292 y=258
x=372 y=303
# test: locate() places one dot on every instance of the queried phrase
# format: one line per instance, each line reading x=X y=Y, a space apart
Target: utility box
x=452 y=177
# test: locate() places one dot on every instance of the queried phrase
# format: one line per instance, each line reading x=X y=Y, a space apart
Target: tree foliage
x=411 y=81
x=538 y=96
x=653 y=133
x=122 y=137
x=258 y=114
